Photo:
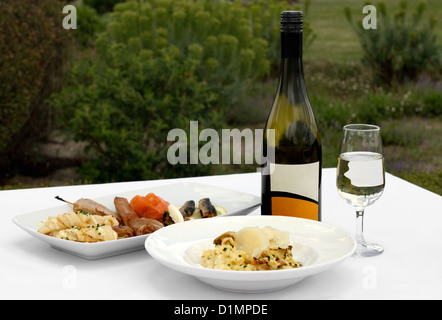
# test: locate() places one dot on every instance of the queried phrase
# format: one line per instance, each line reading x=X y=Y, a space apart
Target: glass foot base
x=367 y=250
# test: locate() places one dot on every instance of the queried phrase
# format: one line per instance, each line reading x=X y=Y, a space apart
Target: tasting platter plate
x=235 y=203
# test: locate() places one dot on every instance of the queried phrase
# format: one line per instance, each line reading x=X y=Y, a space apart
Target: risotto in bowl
x=301 y=248
x=251 y=249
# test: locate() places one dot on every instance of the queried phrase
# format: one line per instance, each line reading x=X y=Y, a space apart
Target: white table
x=407 y=221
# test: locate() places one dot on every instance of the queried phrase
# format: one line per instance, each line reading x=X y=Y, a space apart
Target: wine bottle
x=292 y=154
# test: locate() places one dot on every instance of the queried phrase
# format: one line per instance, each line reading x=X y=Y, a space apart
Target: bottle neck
x=291 y=45
x=292 y=73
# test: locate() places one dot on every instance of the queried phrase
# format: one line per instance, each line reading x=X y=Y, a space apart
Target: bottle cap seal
x=291 y=21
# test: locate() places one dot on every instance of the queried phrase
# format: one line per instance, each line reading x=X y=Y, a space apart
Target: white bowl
x=317 y=245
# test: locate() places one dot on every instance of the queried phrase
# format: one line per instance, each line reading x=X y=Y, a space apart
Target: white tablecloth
x=406 y=221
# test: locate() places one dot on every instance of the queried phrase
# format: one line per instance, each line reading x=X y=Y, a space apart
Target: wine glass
x=360 y=177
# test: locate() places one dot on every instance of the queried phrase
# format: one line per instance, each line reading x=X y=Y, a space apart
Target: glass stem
x=360 y=225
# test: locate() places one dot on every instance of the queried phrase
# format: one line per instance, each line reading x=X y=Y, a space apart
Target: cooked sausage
x=123 y=231
x=206 y=208
x=144 y=225
x=92 y=207
x=139 y=225
x=125 y=210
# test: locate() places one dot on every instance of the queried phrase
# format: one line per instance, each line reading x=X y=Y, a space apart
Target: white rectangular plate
x=235 y=203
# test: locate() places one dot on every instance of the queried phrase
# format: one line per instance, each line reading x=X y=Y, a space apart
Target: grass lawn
x=335 y=39
x=413 y=149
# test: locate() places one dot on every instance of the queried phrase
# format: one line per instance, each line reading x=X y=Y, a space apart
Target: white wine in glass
x=360 y=177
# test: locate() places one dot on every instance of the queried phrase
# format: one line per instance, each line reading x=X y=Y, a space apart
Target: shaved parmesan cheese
x=255 y=240
x=277 y=238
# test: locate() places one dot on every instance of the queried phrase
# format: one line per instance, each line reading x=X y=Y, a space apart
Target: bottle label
x=295 y=189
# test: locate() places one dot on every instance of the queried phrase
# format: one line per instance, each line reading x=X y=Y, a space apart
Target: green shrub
x=158 y=65
x=432 y=103
x=88 y=25
x=33 y=47
x=402 y=46
x=102 y=6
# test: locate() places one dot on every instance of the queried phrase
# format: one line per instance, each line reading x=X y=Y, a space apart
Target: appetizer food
x=80 y=226
x=150 y=206
x=188 y=208
x=251 y=249
x=206 y=208
x=93 y=207
x=130 y=219
x=91 y=221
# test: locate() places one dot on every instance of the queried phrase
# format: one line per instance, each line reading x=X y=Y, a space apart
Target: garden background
x=95 y=104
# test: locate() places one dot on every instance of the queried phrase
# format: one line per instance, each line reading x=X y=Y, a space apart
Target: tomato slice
x=150 y=206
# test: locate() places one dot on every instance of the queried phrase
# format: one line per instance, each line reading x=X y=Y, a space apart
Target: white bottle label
x=301 y=179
